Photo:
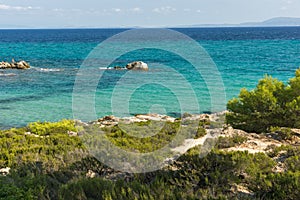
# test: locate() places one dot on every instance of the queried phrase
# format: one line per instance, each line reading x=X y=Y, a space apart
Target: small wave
x=103 y=68
x=9 y=74
x=112 y=68
x=48 y=69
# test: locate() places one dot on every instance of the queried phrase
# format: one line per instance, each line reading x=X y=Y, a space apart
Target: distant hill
x=278 y=21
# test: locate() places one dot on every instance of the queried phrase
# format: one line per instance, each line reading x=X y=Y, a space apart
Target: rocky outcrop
x=72 y=133
x=107 y=121
x=215 y=128
x=119 y=68
x=14 y=65
x=4 y=171
x=137 y=65
x=112 y=120
x=91 y=174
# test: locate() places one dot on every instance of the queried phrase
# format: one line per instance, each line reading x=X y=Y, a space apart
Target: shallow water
x=44 y=92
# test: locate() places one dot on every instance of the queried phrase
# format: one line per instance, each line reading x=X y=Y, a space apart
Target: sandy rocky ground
x=256 y=143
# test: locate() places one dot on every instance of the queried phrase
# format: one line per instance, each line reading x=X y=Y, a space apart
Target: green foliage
x=227 y=142
x=293 y=163
x=200 y=133
x=186 y=115
x=54 y=165
x=277 y=186
x=54 y=150
x=290 y=154
x=274 y=151
x=271 y=103
x=9 y=191
x=282 y=132
x=47 y=128
x=127 y=141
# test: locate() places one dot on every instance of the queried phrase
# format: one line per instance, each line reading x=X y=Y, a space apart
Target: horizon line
x=152 y=27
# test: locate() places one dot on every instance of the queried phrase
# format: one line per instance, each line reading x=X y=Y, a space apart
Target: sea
x=57 y=85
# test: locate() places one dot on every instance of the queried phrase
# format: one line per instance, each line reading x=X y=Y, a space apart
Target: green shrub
x=277 y=186
x=47 y=128
x=201 y=132
x=9 y=191
x=282 y=132
x=271 y=103
x=227 y=142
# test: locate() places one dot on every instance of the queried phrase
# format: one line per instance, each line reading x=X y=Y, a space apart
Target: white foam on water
x=9 y=74
x=104 y=68
x=48 y=69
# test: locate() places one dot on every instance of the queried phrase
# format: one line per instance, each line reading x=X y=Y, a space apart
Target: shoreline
x=134 y=118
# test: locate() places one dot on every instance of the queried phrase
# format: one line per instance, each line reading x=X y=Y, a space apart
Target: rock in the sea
x=14 y=65
x=22 y=65
x=137 y=65
x=119 y=68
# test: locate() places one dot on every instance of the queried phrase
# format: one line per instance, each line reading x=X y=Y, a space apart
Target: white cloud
x=164 y=9
x=58 y=10
x=136 y=9
x=283 y=8
x=117 y=10
x=288 y=2
x=106 y=12
x=4 y=7
x=17 y=8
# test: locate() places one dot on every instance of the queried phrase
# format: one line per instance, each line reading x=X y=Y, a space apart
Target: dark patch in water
x=174 y=114
x=7 y=127
x=5 y=108
x=23 y=98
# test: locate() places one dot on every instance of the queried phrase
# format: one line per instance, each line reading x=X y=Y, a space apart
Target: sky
x=139 y=13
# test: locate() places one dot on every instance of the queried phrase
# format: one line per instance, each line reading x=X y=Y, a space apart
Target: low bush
x=270 y=104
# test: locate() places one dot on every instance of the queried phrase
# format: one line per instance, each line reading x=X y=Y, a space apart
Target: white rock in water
x=14 y=65
x=137 y=65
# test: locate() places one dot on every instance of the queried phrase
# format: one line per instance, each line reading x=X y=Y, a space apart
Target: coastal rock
x=4 y=171
x=119 y=68
x=108 y=121
x=14 y=65
x=155 y=117
x=72 y=133
x=148 y=117
x=22 y=65
x=91 y=174
x=296 y=131
x=137 y=65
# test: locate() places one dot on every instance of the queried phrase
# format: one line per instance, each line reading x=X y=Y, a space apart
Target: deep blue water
x=44 y=93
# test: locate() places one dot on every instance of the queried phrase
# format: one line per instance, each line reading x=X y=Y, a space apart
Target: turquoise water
x=44 y=93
